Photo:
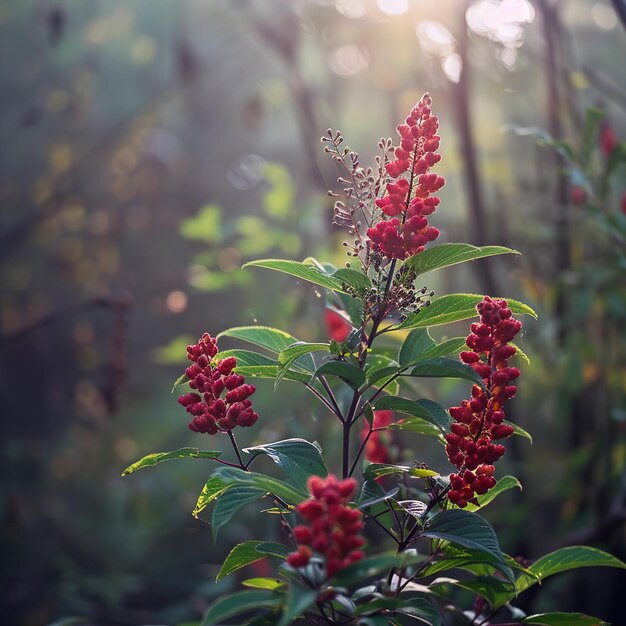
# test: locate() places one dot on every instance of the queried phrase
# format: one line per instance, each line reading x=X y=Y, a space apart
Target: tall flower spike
x=210 y=380
x=478 y=421
x=332 y=527
x=408 y=201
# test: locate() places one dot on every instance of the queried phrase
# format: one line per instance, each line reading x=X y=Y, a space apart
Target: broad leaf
x=416 y=343
x=213 y=488
x=274 y=486
x=447 y=254
x=419 y=426
x=418 y=608
x=373 y=565
x=357 y=280
x=263 y=583
x=304 y=271
x=418 y=408
x=376 y=470
x=298 y=458
x=300 y=352
x=228 y=606
x=272 y=372
x=352 y=374
x=503 y=484
x=445 y=368
x=563 y=619
x=495 y=590
x=453 y=308
x=249 y=552
x=450 y=346
x=271 y=339
x=566 y=559
x=181 y=453
x=466 y=529
x=372 y=493
x=299 y=599
x=230 y=502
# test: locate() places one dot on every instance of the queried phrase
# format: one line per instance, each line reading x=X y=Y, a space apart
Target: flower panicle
x=332 y=527
x=479 y=421
x=210 y=379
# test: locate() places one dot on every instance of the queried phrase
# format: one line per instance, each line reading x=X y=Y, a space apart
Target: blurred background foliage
x=149 y=148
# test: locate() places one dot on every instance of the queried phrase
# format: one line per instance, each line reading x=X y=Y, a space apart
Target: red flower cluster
x=333 y=527
x=479 y=421
x=337 y=326
x=408 y=201
x=211 y=412
x=608 y=139
x=377 y=446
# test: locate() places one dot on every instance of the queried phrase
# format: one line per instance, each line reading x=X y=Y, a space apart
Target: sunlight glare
x=393 y=7
x=435 y=39
x=452 y=67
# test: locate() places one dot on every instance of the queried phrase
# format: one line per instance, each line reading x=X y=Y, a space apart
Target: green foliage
x=248 y=552
x=181 y=453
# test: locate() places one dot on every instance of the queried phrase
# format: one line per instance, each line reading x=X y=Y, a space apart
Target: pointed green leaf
x=425 y=409
x=271 y=372
x=495 y=590
x=453 y=308
x=419 y=426
x=447 y=254
x=445 y=368
x=181 y=453
x=518 y=430
x=181 y=380
x=348 y=372
x=271 y=339
x=299 y=599
x=211 y=490
x=305 y=271
x=272 y=485
x=298 y=458
x=415 y=344
x=301 y=352
x=372 y=493
x=263 y=583
x=466 y=529
x=373 y=565
x=563 y=619
x=449 y=346
x=230 y=502
x=357 y=280
x=228 y=606
x=249 y=552
x=503 y=484
x=566 y=559
x=376 y=470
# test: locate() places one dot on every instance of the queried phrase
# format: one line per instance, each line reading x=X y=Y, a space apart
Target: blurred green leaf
x=175 y=352
x=228 y=606
x=563 y=619
x=205 y=226
x=278 y=200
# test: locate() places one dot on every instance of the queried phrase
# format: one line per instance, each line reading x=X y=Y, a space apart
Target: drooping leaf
x=372 y=493
x=230 y=502
x=352 y=374
x=300 y=352
x=418 y=408
x=418 y=426
x=298 y=458
x=181 y=453
x=249 y=552
x=518 y=430
x=447 y=254
x=376 y=470
x=565 y=559
x=563 y=619
x=453 y=308
x=415 y=344
x=276 y=487
x=305 y=271
x=495 y=590
x=211 y=490
x=415 y=508
x=466 y=529
x=240 y=602
x=420 y=609
x=503 y=484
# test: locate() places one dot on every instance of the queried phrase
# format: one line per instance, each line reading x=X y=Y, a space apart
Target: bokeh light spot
x=604 y=16
x=393 y=7
x=176 y=302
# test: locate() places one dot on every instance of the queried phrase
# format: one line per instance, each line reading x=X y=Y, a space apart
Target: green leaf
x=593 y=118
x=303 y=270
x=299 y=599
x=563 y=619
x=236 y=603
x=419 y=426
x=447 y=254
x=372 y=493
x=181 y=453
x=181 y=380
x=376 y=470
x=263 y=583
x=348 y=372
x=445 y=368
x=271 y=371
x=417 y=608
x=518 y=430
x=298 y=458
x=230 y=502
x=520 y=352
x=249 y=552
x=205 y=226
x=450 y=346
x=211 y=490
x=272 y=485
x=415 y=344
x=466 y=529
x=357 y=280
x=566 y=559
x=370 y=566
x=425 y=409
x=503 y=484
x=271 y=339
x=495 y=590
x=300 y=351
x=453 y=308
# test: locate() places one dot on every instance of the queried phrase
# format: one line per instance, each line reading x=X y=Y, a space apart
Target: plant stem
x=242 y=465
x=324 y=401
x=331 y=396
